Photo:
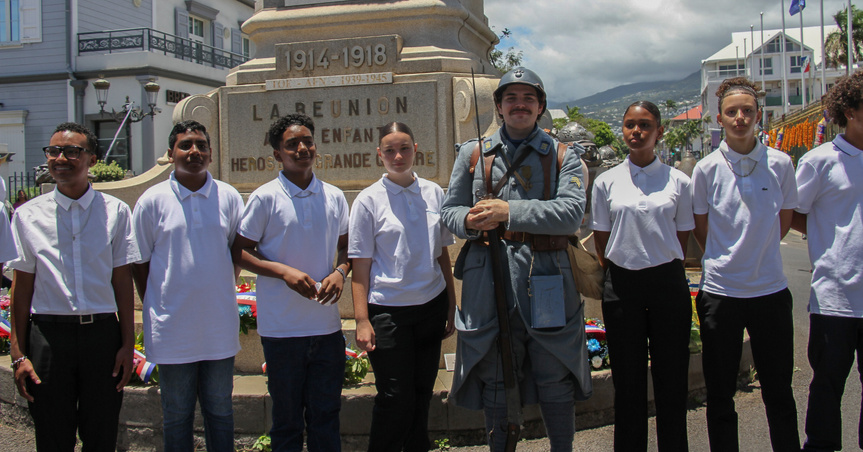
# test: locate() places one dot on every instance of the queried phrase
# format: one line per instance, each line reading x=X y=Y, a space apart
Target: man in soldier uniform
x=534 y=215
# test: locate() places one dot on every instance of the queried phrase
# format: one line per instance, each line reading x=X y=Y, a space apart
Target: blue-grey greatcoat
x=476 y=320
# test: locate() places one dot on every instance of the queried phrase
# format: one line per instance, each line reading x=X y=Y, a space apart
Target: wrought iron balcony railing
x=156 y=41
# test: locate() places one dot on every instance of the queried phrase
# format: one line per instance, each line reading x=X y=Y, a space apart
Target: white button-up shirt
x=73 y=246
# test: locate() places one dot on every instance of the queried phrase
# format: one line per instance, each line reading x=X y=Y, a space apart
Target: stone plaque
x=337 y=57
x=346 y=130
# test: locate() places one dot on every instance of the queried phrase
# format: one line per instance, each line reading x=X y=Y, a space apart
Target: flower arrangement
x=695 y=329
x=5 y=325
x=356 y=367
x=597 y=346
x=248 y=306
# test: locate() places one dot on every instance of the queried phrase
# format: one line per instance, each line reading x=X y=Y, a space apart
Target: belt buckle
x=81 y=320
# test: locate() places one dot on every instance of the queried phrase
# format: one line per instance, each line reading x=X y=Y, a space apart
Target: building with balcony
x=763 y=64
x=52 y=51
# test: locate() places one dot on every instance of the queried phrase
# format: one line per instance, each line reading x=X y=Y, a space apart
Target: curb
x=141 y=416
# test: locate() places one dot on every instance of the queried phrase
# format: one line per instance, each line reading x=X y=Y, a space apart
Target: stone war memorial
x=353 y=67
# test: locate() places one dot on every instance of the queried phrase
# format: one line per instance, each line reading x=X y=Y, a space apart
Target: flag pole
x=823 y=76
x=785 y=63
x=802 y=64
x=850 y=32
x=751 y=61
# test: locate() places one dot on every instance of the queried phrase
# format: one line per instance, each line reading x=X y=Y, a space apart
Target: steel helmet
x=573 y=132
x=521 y=76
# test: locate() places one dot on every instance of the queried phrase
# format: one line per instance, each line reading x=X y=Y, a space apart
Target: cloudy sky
x=581 y=47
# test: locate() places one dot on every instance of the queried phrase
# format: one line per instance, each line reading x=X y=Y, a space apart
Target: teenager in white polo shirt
x=404 y=298
x=291 y=231
x=184 y=227
x=743 y=195
x=831 y=215
x=72 y=303
x=642 y=215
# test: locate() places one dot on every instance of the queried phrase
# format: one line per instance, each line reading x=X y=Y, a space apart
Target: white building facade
x=51 y=52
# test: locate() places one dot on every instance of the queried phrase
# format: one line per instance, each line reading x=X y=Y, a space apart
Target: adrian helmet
x=521 y=76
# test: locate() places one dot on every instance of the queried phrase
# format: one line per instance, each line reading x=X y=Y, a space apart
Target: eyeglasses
x=200 y=144
x=70 y=152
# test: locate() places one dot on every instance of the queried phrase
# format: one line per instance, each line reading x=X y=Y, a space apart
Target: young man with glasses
x=72 y=322
x=184 y=227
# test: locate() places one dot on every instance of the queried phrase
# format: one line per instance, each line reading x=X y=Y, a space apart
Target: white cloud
x=582 y=47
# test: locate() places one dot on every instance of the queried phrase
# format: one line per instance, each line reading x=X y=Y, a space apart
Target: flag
x=796 y=6
x=806 y=61
x=144 y=368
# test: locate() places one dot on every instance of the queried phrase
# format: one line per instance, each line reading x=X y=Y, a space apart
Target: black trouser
x=648 y=310
x=77 y=393
x=405 y=361
x=833 y=341
x=768 y=320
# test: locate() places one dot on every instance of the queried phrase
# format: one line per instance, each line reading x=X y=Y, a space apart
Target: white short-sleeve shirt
x=73 y=246
x=830 y=186
x=741 y=256
x=299 y=228
x=399 y=228
x=191 y=301
x=643 y=209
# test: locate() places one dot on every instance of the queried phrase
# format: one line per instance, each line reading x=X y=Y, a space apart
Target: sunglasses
x=70 y=152
x=200 y=144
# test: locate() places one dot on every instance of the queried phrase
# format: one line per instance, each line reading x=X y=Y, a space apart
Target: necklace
x=728 y=162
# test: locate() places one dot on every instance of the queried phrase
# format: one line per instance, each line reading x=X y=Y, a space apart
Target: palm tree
x=836 y=43
x=670 y=105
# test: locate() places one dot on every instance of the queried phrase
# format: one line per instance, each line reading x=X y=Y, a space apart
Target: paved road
x=753 y=424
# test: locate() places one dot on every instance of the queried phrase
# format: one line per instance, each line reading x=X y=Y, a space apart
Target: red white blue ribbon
x=5 y=328
x=144 y=369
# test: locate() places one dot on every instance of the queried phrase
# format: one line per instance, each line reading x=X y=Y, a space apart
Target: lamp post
x=130 y=112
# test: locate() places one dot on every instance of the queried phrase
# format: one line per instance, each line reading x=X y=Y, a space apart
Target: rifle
x=510 y=379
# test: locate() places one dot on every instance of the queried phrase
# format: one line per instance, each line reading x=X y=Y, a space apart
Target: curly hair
x=274 y=136
x=846 y=94
x=736 y=85
x=74 y=127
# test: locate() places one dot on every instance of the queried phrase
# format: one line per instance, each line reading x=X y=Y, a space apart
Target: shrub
x=106 y=173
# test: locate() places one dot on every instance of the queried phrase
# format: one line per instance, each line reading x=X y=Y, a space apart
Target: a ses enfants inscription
x=348 y=108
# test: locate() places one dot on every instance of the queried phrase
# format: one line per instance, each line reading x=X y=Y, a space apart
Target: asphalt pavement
x=754 y=434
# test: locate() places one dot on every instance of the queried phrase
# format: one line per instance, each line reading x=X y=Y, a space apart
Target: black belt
x=79 y=319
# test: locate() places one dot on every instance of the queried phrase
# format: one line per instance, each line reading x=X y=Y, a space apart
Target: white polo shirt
x=643 y=209
x=399 y=228
x=741 y=256
x=190 y=305
x=73 y=246
x=299 y=228
x=830 y=186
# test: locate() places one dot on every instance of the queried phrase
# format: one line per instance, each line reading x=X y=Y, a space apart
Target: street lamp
x=130 y=112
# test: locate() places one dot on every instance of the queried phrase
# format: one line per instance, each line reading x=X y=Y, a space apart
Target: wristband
x=342 y=272
x=18 y=362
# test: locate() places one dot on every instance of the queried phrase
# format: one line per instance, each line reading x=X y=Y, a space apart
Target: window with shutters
x=20 y=21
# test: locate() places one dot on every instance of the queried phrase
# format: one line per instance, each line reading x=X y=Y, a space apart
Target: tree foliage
x=836 y=43
x=504 y=62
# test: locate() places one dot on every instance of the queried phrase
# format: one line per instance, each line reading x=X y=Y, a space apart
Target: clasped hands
x=487 y=215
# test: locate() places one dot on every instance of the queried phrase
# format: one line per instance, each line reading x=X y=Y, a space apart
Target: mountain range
x=610 y=104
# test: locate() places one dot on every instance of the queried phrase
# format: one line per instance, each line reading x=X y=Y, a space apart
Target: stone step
x=141 y=415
